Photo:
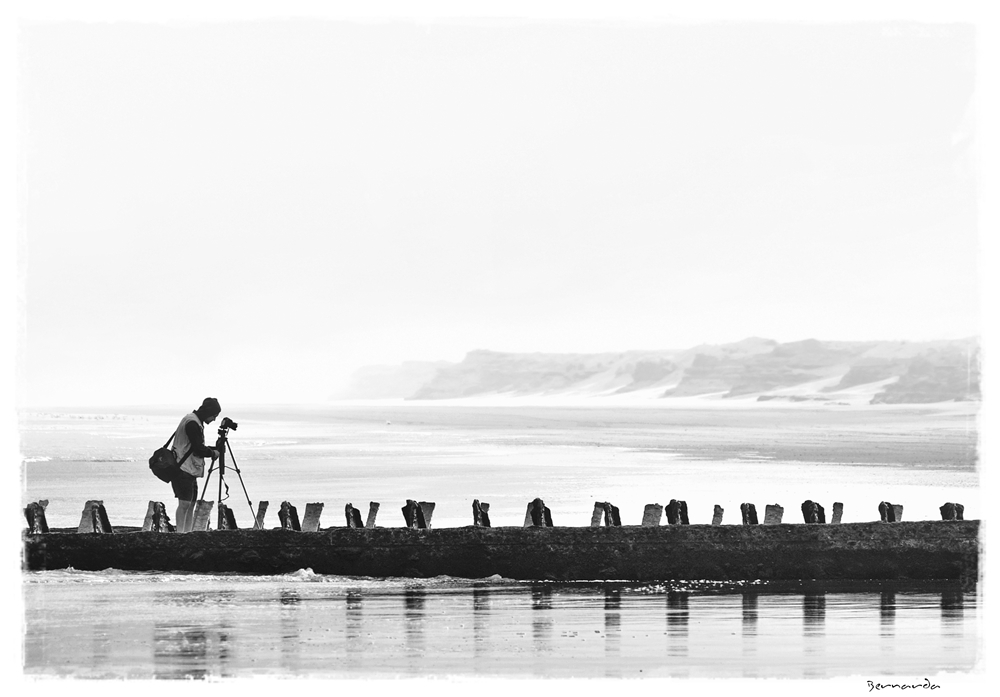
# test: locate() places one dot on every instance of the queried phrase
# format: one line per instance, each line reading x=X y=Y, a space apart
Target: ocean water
x=307 y=624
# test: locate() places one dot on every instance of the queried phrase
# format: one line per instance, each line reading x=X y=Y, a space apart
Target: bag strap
x=185 y=456
x=167 y=445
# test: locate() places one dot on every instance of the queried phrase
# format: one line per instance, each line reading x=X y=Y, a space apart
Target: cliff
x=875 y=372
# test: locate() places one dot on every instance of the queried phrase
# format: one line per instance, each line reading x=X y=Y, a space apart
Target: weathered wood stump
x=259 y=518
x=414 y=515
x=810 y=511
x=749 y=513
x=480 y=514
x=353 y=516
x=838 y=513
x=35 y=514
x=94 y=518
x=611 y=515
x=717 y=515
x=157 y=519
x=772 y=514
x=427 y=509
x=538 y=515
x=952 y=511
x=676 y=512
x=890 y=512
x=651 y=515
x=289 y=517
x=228 y=519
x=202 y=515
x=372 y=512
x=310 y=521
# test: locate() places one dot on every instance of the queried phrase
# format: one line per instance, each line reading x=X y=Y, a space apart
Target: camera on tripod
x=227 y=424
x=222 y=444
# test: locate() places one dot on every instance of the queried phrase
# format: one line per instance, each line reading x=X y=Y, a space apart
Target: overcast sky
x=255 y=209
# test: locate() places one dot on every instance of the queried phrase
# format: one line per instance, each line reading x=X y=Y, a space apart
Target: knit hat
x=211 y=406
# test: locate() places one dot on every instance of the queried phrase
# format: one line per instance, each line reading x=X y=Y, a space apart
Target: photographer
x=190 y=435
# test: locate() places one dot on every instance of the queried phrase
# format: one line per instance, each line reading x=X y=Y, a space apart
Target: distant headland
x=755 y=369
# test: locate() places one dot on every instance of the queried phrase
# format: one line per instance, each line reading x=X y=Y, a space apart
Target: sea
x=308 y=625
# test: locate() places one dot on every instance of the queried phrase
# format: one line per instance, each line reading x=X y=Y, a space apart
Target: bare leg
x=185 y=515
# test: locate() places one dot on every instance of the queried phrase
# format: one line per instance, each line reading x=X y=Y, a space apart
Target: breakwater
x=919 y=550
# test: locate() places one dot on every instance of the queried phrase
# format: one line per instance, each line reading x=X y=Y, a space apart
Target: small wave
x=37 y=459
x=304 y=575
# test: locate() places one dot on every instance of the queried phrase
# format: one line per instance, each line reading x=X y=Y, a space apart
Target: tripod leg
x=256 y=525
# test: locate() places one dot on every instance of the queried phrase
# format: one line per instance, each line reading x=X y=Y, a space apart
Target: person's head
x=209 y=409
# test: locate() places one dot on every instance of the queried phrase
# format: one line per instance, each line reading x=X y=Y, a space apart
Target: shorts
x=185 y=486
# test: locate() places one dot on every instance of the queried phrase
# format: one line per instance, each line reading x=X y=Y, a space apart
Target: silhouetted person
x=191 y=434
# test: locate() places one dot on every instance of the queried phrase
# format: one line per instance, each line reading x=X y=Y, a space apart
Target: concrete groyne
x=919 y=550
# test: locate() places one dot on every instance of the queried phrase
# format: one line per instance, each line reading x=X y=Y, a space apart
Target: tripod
x=223 y=445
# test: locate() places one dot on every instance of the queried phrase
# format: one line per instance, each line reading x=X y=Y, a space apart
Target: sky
x=254 y=209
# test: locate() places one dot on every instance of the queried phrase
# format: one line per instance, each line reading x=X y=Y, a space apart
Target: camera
x=228 y=423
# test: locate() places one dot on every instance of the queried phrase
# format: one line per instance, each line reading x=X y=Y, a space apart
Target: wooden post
x=353 y=516
x=147 y=522
x=538 y=515
x=838 y=513
x=810 y=511
x=427 y=512
x=597 y=516
x=890 y=513
x=160 y=521
x=772 y=514
x=480 y=514
x=717 y=515
x=372 y=512
x=289 y=517
x=749 y=512
x=202 y=514
x=820 y=514
x=412 y=514
x=684 y=513
x=673 y=511
x=227 y=519
x=35 y=514
x=310 y=521
x=612 y=517
x=651 y=515
x=94 y=518
x=261 y=510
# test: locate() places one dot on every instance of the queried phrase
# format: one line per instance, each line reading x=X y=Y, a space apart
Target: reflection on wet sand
x=585 y=632
x=353 y=627
x=813 y=630
x=184 y=650
x=750 y=613
x=677 y=623
x=413 y=615
x=887 y=614
x=480 y=624
x=612 y=632
x=289 y=600
x=541 y=619
x=952 y=621
x=101 y=645
x=749 y=644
